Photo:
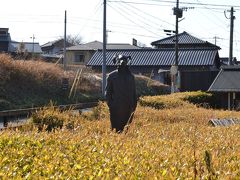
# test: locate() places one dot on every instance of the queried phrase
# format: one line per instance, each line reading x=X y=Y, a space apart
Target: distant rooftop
x=184 y=39
x=4 y=29
x=96 y=45
x=228 y=80
x=28 y=46
x=159 y=57
x=4 y=35
x=50 y=43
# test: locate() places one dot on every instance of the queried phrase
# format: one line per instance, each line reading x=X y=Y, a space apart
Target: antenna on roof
x=169 y=32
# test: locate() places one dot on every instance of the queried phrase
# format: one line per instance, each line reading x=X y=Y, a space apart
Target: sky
x=144 y=20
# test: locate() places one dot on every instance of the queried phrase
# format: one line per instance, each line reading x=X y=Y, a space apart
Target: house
x=12 y=47
x=225 y=61
x=227 y=86
x=17 y=48
x=28 y=47
x=81 y=54
x=5 y=39
x=53 y=51
x=54 y=47
x=198 y=62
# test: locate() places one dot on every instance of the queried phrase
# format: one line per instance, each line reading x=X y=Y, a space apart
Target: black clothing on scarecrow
x=121 y=94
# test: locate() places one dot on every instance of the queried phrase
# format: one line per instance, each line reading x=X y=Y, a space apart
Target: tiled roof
x=50 y=43
x=183 y=38
x=121 y=46
x=228 y=80
x=159 y=57
x=95 y=45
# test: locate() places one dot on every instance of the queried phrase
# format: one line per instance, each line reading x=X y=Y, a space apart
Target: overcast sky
x=143 y=20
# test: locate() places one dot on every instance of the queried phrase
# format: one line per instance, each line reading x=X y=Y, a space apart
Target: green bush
x=162 y=101
x=178 y=99
x=97 y=113
x=200 y=98
x=51 y=118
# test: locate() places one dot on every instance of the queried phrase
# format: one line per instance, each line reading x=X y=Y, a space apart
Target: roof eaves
x=211 y=87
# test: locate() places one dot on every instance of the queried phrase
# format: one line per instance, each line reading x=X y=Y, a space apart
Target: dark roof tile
x=227 y=80
x=159 y=57
x=183 y=38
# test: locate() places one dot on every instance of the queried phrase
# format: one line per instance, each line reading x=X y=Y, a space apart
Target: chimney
x=134 y=42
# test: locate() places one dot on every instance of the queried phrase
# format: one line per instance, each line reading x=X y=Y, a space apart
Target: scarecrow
x=121 y=94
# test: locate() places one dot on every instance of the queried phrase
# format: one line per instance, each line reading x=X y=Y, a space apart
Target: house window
x=79 y=58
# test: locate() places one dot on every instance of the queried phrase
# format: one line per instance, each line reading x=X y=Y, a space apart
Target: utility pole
x=215 y=39
x=65 y=39
x=104 y=47
x=177 y=13
x=65 y=82
x=174 y=69
x=33 y=38
x=230 y=59
x=230 y=62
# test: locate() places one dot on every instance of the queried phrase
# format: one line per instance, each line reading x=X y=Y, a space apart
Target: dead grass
x=36 y=83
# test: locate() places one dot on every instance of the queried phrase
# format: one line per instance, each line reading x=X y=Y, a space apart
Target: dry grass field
x=171 y=141
x=34 y=83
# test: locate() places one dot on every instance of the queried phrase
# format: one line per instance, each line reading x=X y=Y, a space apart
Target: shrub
x=146 y=86
x=177 y=100
x=174 y=143
x=163 y=101
x=151 y=149
x=97 y=113
x=200 y=98
x=51 y=118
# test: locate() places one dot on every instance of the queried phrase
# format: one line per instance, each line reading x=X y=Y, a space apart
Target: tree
x=73 y=39
x=140 y=44
x=22 y=51
x=21 y=48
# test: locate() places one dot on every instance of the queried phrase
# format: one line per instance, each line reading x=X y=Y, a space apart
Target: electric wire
x=148 y=14
x=220 y=6
x=138 y=17
x=115 y=9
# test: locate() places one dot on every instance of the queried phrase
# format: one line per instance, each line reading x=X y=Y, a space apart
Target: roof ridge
x=184 y=38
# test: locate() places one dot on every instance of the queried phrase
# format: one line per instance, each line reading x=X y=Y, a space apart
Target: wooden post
x=234 y=100
x=229 y=101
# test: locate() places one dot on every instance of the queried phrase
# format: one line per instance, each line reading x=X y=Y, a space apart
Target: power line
x=212 y=9
x=141 y=35
x=131 y=20
x=96 y=10
x=141 y=11
x=173 y=2
x=139 y=17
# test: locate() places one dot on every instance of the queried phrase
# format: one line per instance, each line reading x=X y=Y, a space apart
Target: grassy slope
x=171 y=143
x=35 y=83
